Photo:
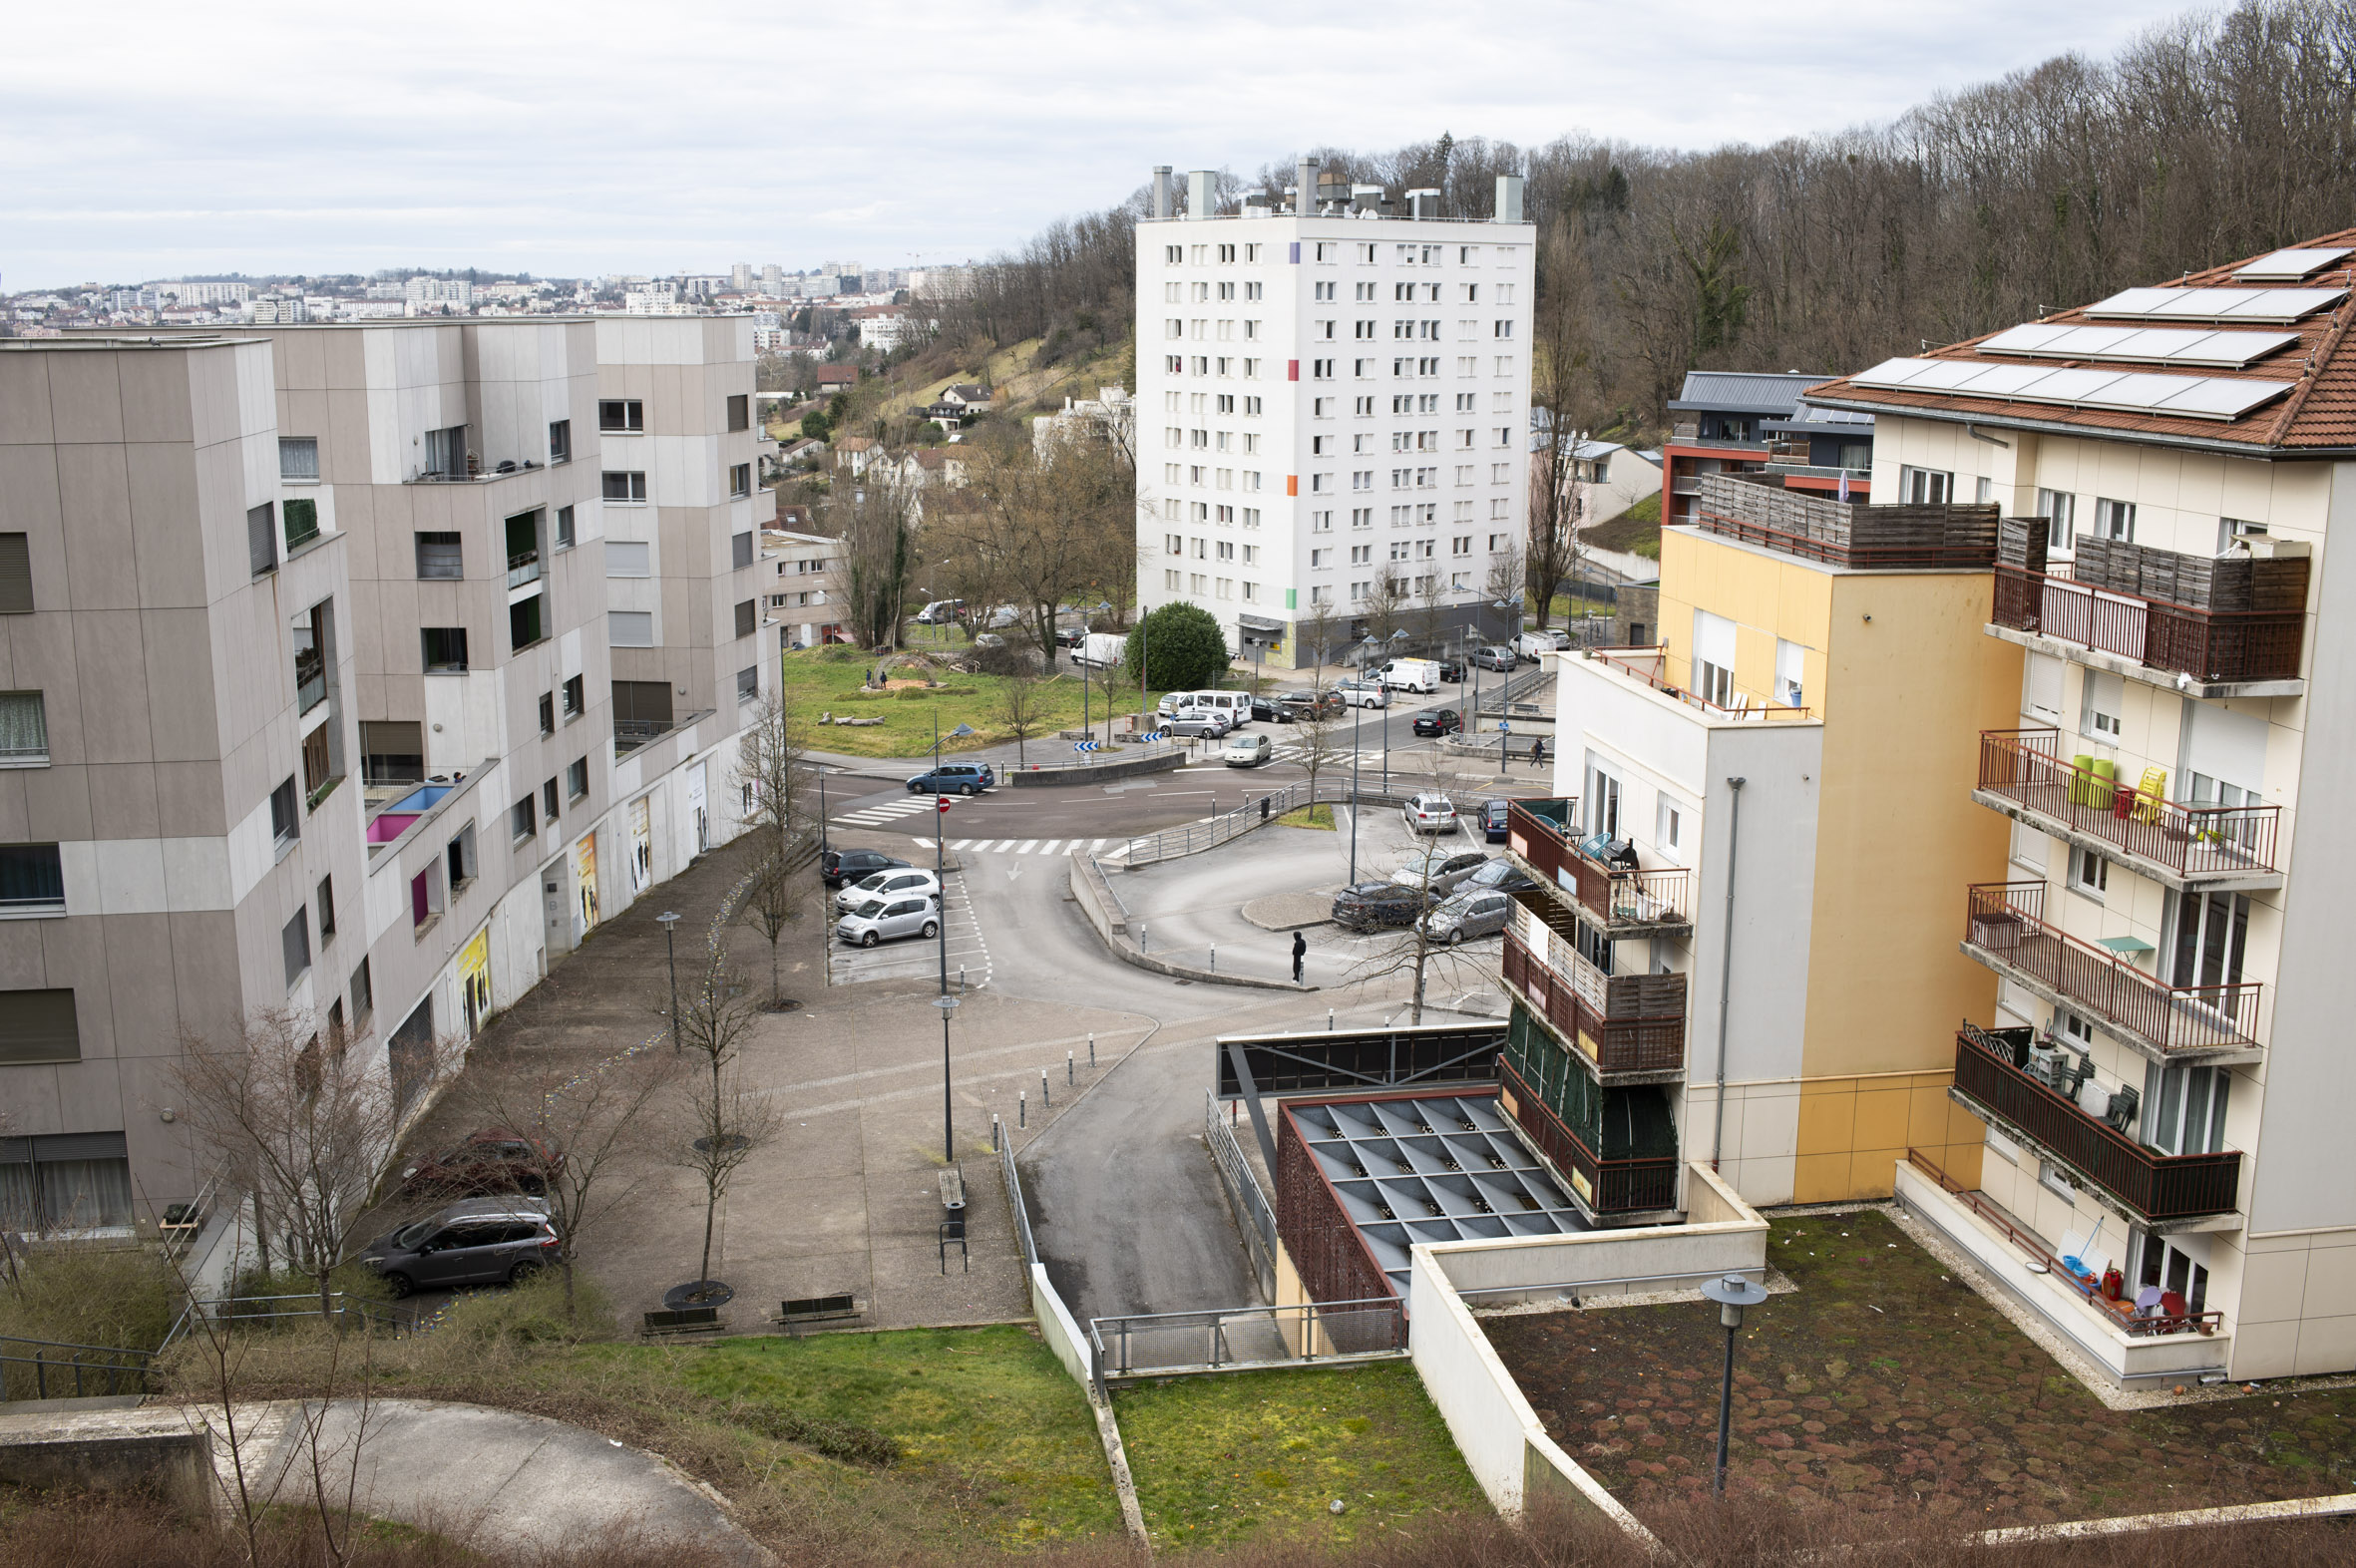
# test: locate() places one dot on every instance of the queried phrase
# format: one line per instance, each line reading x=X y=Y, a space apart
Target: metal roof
x=1743 y=391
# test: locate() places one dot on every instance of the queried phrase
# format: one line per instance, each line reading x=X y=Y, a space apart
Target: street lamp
x=666 y=920
x=949 y=1146
x=1732 y=1294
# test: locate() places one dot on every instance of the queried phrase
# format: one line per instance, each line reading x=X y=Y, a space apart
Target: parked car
x=494 y=1160
x=1248 y=752
x=1100 y=650
x=1499 y=876
x=954 y=778
x=1492 y=821
x=1004 y=617
x=1439 y=721
x=940 y=612
x=1294 y=707
x=1372 y=906
x=989 y=639
x=1171 y=702
x=837 y=867
x=1442 y=867
x=1466 y=914
x=1365 y=693
x=1263 y=711
x=482 y=1241
x=888 y=885
x=1429 y=813
x=1208 y=723
x=1531 y=644
x=1494 y=657
x=1452 y=670
x=880 y=919
x=1070 y=636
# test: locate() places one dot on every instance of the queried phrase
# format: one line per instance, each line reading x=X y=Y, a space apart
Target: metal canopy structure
x=1438 y=1168
x=1250 y=1065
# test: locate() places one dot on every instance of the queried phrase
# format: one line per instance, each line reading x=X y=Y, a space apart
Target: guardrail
x=2222 y=646
x=48 y=1368
x=1194 y=837
x=267 y=1312
x=1022 y=1210
x=1228 y=1155
x=2025 y=767
x=1247 y=1339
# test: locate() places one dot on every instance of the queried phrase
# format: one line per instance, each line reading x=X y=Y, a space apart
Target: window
x=262 y=537
x=326 y=910
x=746 y=613
x=445 y=453
x=2184 y=1109
x=70 y=1182
x=38 y=1025
x=1714 y=659
x=1669 y=834
x=526 y=622
x=748 y=683
x=523 y=820
x=622 y=414
x=576 y=778
x=24 y=728
x=572 y=697
x=560 y=441
x=1603 y=799
x=631 y=629
x=286 y=818
x=547 y=800
x=2105 y=695
x=2115 y=519
x=1790 y=671
x=295 y=942
x=629 y=557
x=298 y=459
x=363 y=995
x=564 y=528
x=2059 y=509
x=2090 y=873
x=2208 y=933
x=392 y=752
x=440 y=555
x=16 y=576
x=547 y=713
x=1983 y=490
x=740 y=416
x=33 y=882
x=740 y=481
x=740 y=549
x=445 y=650
x=318 y=764
x=625 y=489
x=460 y=856
x=2232 y=528
x=1924 y=487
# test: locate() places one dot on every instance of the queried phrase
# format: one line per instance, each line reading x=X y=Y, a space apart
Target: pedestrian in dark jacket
x=1300 y=951
x=1537 y=752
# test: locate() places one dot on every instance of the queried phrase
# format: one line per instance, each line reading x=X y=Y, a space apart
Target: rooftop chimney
x=1161 y=190
x=1508 y=198
x=1305 y=178
x=1423 y=204
x=1366 y=198
x=1202 y=199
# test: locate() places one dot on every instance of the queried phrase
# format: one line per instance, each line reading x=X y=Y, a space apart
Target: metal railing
x=2006 y=921
x=2157 y=1186
x=2025 y=767
x=60 y=1369
x=1583 y=1009
x=1247 y=1339
x=2208 y=645
x=1614 y=895
x=1015 y=1201
x=1228 y=1155
x=1622 y=1186
x=523 y=568
x=1132 y=750
x=269 y=1311
x=1650 y=666
x=1193 y=837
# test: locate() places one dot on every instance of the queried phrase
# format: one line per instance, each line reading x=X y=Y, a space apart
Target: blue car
x=954 y=778
x=1492 y=821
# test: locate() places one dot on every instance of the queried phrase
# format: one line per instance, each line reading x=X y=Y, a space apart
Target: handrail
x=1239 y=1179
x=2025 y=767
x=1762 y=711
x=2203 y=1322
x=84 y=1361
x=1651 y=1043
x=1614 y=895
x=1188 y=839
x=2007 y=920
x=2208 y=645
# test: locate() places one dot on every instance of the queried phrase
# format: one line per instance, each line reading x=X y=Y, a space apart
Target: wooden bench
x=791 y=1314
x=686 y=1320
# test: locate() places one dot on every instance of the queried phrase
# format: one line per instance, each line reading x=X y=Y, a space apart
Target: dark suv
x=954 y=778
x=483 y=1241
x=1372 y=906
x=491 y=1161
x=837 y=867
x=1292 y=707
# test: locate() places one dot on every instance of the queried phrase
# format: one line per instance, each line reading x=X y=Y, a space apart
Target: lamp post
x=1732 y=1294
x=1396 y=637
x=666 y=920
x=1358 y=711
x=949 y=1145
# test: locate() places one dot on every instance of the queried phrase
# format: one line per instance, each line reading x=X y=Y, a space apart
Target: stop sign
x=941 y=803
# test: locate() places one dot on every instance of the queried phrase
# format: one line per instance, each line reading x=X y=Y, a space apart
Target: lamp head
x=666 y=920
x=1732 y=1294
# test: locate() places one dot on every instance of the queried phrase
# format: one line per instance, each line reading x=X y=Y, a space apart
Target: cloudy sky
x=147 y=140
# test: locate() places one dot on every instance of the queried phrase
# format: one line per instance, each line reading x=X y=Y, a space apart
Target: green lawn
x=1217 y=1459
x=1309 y=817
x=986 y=1415
x=827 y=680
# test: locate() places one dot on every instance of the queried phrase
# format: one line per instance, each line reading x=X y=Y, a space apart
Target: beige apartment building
x=315 y=694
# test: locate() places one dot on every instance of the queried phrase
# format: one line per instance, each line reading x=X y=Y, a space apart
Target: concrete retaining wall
x=153 y=1453
x=1093 y=772
x=1058 y=1328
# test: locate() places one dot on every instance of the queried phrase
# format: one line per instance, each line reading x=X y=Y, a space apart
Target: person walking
x=1300 y=951
x=1537 y=751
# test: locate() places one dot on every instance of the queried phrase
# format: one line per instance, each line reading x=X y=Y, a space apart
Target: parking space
x=913 y=958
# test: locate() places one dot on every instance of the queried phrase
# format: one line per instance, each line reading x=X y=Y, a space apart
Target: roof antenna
x=1925 y=342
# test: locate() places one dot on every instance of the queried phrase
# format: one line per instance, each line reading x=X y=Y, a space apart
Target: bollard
x=1328 y=1020
x=960 y=979
x=1022 y=1110
x=1214 y=956
x=1044 y=1098
x=1142 y=937
x=1091 y=1050
x=1067 y=1069
x=995 y=1129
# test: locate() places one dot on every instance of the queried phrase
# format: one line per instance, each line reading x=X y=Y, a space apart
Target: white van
x=1531 y=644
x=1237 y=706
x=1411 y=674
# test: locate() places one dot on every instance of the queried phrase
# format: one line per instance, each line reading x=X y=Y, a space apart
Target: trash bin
x=2123 y=801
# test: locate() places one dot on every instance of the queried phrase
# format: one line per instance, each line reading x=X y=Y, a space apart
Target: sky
x=148 y=142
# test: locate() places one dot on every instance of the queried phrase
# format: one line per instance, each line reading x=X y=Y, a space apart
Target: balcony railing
x=1650 y=666
x=2025 y=767
x=1988 y=1071
x=1615 y=896
x=1618 y=1022
x=1847 y=533
x=2217 y=645
x=523 y=568
x=2007 y=923
x=1606 y=1186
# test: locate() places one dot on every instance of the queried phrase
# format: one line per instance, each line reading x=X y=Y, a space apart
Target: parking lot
x=913 y=958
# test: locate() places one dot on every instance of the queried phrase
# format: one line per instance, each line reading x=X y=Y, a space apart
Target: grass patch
x=112 y=1294
x=1888 y=1386
x=1636 y=531
x=1219 y=1459
x=820 y=680
x=1309 y=817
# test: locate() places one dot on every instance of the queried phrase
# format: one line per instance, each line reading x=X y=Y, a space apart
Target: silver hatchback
x=879 y=920
x=1467 y=913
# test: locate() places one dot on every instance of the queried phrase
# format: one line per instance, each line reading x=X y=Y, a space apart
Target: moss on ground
x=822 y=680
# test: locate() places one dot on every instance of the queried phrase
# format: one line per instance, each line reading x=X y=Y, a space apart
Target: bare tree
x=1023 y=708
x=297 y=1122
x=782 y=821
x=875 y=518
x=717 y=1124
x=1413 y=951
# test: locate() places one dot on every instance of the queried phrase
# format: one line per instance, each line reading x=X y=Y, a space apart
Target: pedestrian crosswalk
x=890 y=811
x=1025 y=846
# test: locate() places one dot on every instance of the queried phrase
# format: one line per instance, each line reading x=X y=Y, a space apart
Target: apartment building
x=2162 y=1067
x=315 y=704
x=805 y=597
x=1753 y=421
x=1329 y=412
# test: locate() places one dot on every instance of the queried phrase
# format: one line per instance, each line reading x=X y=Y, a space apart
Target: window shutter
x=261 y=539
x=740 y=549
x=39 y=1026
x=16 y=576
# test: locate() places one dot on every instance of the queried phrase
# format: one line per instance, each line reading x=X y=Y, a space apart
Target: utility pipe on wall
x=1726 y=964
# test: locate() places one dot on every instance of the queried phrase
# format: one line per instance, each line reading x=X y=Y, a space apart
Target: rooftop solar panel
x=2291 y=265
x=2197 y=397
x=2139 y=345
x=2216 y=305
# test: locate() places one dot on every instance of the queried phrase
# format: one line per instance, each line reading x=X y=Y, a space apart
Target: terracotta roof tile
x=2319 y=412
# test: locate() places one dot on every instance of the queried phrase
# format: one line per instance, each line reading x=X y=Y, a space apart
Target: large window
x=740 y=480
x=631 y=629
x=440 y=555
x=1924 y=487
x=302 y=518
x=445 y=453
x=2115 y=519
x=315 y=638
x=2184 y=1109
x=31 y=880
x=392 y=751
x=2059 y=507
x=747 y=613
x=298 y=458
x=739 y=411
x=1714 y=659
x=748 y=683
x=24 y=727
x=70 y=1182
x=625 y=416
x=38 y=1025
x=526 y=622
x=443 y=650
x=625 y=489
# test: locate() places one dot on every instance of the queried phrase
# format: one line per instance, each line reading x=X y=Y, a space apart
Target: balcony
x=1619 y=898
x=1993 y=1084
x=523 y=568
x=1649 y=668
x=1622 y=1187
x=2231 y=623
x=2023 y=775
x=1625 y=1027
x=2007 y=931
x=1847 y=534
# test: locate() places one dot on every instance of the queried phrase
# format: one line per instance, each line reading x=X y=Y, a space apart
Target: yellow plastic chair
x=2150 y=793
